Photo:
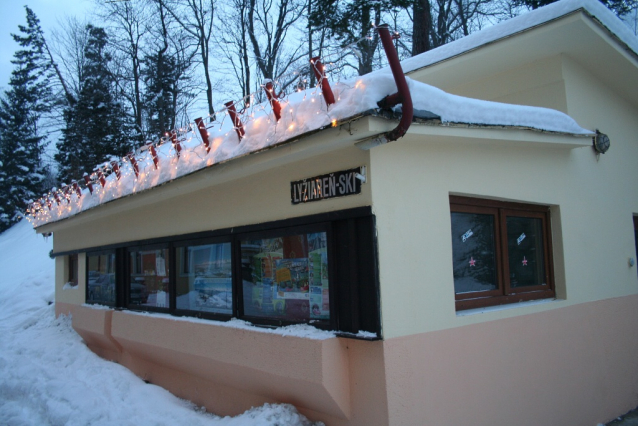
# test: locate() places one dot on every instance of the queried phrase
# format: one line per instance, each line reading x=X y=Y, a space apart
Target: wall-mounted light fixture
x=601 y=142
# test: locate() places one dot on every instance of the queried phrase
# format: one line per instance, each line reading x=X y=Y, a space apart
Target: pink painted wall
x=229 y=370
x=576 y=365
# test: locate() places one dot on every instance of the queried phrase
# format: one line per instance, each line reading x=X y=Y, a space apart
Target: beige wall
x=538 y=83
x=74 y=295
x=592 y=199
x=255 y=198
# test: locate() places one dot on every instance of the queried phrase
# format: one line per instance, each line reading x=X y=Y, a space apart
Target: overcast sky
x=48 y=11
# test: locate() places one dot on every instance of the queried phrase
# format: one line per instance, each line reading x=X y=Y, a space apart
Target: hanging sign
x=331 y=185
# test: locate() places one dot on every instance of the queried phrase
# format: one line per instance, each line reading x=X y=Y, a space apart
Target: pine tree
x=21 y=107
x=160 y=75
x=96 y=125
x=350 y=22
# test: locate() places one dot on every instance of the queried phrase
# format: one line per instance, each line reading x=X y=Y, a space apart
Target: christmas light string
x=142 y=167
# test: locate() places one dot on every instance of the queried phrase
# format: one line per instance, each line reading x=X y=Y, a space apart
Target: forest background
x=119 y=74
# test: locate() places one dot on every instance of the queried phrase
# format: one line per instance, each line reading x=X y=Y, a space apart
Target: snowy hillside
x=49 y=377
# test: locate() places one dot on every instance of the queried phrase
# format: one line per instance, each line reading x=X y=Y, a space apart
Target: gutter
x=402 y=96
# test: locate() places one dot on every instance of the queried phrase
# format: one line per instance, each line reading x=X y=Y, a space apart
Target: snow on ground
x=49 y=377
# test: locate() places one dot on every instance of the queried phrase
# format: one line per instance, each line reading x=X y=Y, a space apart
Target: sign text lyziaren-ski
x=331 y=185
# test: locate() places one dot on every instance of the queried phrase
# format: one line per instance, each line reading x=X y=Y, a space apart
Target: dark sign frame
x=323 y=187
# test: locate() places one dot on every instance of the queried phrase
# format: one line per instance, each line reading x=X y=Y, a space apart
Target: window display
x=100 y=287
x=149 y=278
x=269 y=274
x=205 y=279
x=286 y=278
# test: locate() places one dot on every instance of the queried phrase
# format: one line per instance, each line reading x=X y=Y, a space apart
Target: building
x=478 y=270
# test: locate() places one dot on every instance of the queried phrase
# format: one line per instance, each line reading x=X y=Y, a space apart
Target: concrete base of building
x=566 y=366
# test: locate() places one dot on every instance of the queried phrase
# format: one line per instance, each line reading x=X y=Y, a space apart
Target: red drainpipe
x=403 y=95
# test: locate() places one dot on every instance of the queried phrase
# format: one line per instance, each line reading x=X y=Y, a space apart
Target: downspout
x=402 y=96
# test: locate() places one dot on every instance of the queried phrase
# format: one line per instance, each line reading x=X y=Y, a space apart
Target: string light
x=136 y=166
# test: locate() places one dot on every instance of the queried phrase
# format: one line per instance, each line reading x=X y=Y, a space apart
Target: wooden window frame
x=505 y=294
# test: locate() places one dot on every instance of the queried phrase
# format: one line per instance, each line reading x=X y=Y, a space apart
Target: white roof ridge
x=525 y=22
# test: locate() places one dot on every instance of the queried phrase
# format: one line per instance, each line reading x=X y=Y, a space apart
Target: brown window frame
x=505 y=294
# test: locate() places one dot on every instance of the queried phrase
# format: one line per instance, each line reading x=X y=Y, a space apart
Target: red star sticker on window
x=524 y=261
x=472 y=261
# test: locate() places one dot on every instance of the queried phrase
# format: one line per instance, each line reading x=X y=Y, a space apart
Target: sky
x=50 y=12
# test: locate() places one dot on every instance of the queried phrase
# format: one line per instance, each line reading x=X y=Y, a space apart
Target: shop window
x=149 y=279
x=285 y=277
x=204 y=282
x=72 y=271
x=100 y=278
x=319 y=269
x=501 y=252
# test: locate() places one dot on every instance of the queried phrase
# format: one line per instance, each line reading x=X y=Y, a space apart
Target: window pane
x=73 y=270
x=101 y=279
x=205 y=280
x=287 y=277
x=148 y=285
x=525 y=250
x=473 y=252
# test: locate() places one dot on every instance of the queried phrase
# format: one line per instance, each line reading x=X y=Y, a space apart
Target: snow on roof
x=302 y=113
x=522 y=23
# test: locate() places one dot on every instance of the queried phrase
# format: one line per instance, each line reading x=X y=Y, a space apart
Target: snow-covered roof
x=522 y=23
x=305 y=112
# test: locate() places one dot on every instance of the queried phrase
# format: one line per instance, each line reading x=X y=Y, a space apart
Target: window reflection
x=204 y=281
x=286 y=278
x=149 y=278
x=525 y=251
x=101 y=279
x=474 y=252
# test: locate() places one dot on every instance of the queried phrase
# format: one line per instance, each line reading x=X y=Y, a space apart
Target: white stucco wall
x=592 y=201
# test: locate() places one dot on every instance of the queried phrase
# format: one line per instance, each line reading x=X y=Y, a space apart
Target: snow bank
x=49 y=377
x=305 y=331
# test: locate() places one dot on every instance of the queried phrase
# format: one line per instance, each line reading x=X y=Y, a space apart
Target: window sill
x=496 y=308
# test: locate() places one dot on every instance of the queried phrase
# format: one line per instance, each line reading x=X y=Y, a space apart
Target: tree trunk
x=421 y=25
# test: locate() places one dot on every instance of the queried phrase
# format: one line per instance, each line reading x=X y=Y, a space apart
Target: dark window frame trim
x=343 y=320
x=274 y=232
x=215 y=316
x=171 y=279
x=86 y=275
x=73 y=273
x=504 y=209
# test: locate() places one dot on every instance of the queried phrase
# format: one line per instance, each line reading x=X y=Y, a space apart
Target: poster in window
x=292 y=278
